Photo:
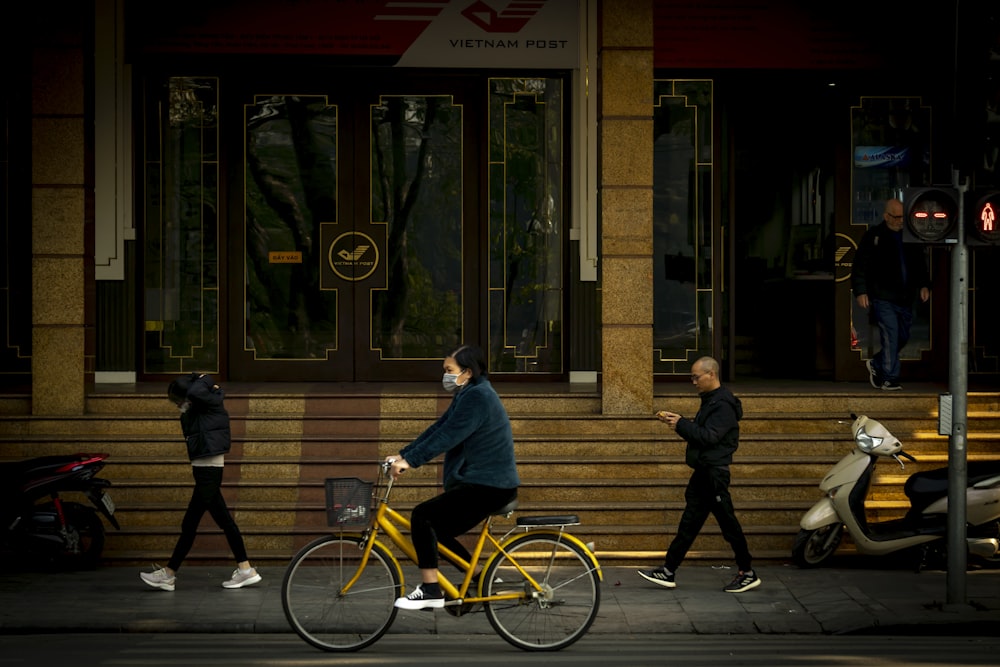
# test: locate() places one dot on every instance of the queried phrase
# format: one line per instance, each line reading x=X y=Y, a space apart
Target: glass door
x=355 y=233
x=685 y=250
x=352 y=226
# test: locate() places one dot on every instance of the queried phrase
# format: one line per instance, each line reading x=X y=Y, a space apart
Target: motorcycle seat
x=923 y=488
x=12 y=472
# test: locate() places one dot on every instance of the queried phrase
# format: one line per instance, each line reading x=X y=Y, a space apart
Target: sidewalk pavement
x=845 y=599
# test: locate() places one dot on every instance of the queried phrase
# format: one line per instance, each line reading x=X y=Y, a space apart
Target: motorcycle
x=923 y=529
x=39 y=527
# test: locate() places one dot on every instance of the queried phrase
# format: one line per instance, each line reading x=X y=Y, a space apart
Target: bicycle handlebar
x=384 y=467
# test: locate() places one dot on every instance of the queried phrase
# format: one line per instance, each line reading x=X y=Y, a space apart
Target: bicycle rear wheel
x=562 y=611
x=325 y=617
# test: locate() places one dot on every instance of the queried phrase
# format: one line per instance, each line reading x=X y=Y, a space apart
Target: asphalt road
x=251 y=650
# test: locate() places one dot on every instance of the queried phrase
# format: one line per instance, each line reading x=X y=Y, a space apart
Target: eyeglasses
x=696 y=377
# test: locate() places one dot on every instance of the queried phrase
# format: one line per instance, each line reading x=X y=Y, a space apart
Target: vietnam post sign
x=402 y=33
x=499 y=33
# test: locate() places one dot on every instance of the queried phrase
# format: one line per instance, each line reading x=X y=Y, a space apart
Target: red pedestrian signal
x=983 y=227
x=930 y=215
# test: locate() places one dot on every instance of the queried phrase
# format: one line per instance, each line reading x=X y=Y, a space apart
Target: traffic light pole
x=958 y=385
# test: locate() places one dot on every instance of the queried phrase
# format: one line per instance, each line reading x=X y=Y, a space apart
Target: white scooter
x=847 y=485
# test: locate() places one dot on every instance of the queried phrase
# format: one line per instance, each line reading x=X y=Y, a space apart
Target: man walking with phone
x=712 y=438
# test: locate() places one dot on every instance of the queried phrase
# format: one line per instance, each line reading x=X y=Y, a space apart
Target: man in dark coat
x=887 y=277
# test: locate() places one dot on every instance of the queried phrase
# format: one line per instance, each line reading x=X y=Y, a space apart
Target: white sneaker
x=241 y=578
x=159 y=578
x=418 y=599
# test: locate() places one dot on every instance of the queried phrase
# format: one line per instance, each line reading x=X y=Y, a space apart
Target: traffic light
x=930 y=215
x=981 y=212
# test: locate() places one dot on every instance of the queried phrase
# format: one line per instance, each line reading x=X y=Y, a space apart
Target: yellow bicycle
x=539 y=587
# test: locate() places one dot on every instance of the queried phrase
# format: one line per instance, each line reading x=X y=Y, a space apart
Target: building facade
x=596 y=191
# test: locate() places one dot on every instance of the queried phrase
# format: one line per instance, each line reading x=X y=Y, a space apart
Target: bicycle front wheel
x=322 y=612
x=555 y=616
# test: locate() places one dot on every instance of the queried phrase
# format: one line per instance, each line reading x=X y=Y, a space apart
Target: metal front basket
x=348 y=501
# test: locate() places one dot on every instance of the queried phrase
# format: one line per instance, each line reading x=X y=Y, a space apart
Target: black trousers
x=207 y=497
x=444 y=518
x=708 y=493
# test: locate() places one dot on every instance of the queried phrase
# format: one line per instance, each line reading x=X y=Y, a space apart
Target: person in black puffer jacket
x=712 y=438
x=205 y=423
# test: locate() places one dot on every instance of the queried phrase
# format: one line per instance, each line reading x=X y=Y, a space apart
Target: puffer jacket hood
x=206 y=422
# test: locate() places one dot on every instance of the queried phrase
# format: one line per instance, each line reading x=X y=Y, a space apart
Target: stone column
x=58 y=212
x=626 y=196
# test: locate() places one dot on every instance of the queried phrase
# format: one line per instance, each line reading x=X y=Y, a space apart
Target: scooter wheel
x=813 y=548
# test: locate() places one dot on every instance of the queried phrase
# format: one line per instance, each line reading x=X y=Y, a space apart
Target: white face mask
x=184 y=407
x=450 y=381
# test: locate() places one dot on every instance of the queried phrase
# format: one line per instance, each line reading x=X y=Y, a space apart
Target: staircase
x=623 y=476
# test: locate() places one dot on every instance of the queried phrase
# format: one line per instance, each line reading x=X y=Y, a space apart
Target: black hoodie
x=714 y=433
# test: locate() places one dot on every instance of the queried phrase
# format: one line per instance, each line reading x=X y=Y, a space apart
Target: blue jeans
x=894 y=323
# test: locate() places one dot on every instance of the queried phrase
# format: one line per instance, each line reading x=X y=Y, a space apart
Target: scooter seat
x=19 y=476
x=11 y=471
x=923 y=488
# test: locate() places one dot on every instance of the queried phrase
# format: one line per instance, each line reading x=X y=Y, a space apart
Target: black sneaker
x=419 y=599
x=743 y=581
x=888 y=385
x=659 y=576
x=872 y=375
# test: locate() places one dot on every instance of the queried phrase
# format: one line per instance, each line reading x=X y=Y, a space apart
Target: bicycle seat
x=507 y=509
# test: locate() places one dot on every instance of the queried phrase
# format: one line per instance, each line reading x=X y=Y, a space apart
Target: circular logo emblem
x=353 y=256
